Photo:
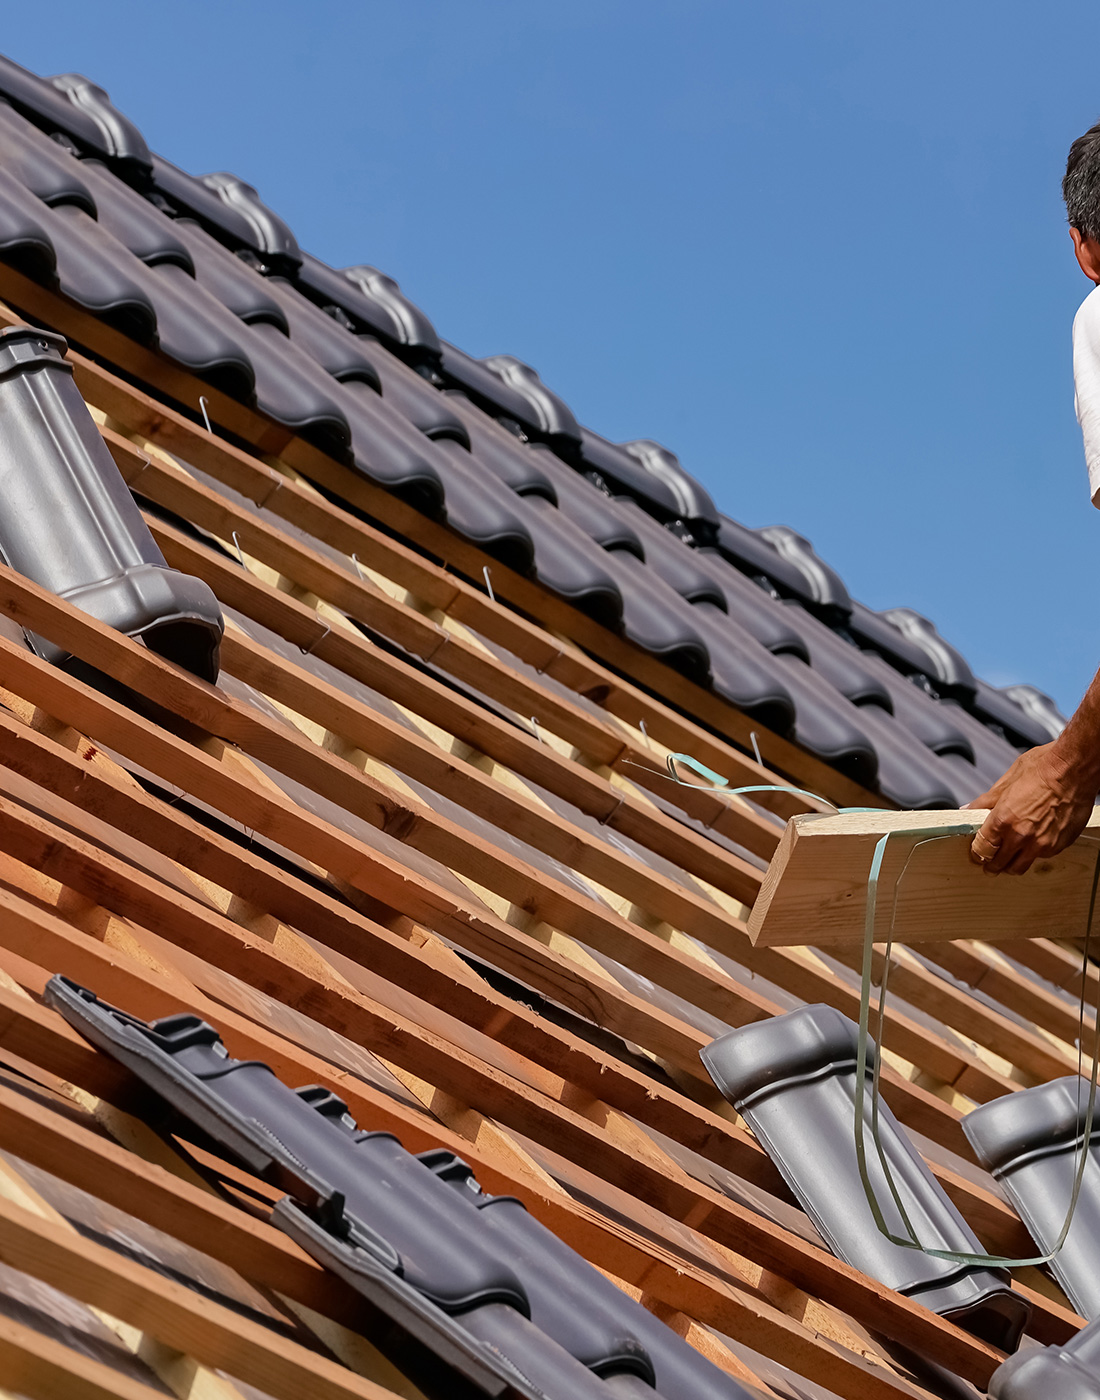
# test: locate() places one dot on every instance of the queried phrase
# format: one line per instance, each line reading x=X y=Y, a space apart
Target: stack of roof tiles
x=419 y=842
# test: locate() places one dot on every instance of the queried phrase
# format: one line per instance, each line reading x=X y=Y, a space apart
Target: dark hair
x=1081 y=186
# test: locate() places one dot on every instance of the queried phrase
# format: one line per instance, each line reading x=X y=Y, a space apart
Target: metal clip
x=237 y=547
x=276 y=483
x=306 y=651
x=205 y=415
x=756 y=747
x=488 y=583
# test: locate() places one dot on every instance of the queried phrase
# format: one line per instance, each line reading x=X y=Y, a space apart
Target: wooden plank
x=38 y=1366
x=815 y=890
x=414 y=823
x=183 y=1319
x=393 y=959
x=602 y=1076
x=516 y=953
x=473 y=723
x=668 y=965
x=515 y=812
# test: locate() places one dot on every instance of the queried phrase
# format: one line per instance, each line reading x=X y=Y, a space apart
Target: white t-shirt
x=1086 y=384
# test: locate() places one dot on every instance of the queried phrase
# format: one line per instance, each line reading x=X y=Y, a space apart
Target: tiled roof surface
x=420 y=844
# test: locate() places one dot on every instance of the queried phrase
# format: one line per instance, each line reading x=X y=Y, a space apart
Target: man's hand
x=1037 y=809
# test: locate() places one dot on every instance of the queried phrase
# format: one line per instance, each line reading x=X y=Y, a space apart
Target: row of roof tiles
x=204 y=270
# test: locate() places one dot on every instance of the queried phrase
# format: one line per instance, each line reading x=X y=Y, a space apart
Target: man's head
x=1081 y=191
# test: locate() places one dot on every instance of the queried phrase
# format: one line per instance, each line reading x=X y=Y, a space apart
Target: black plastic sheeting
x=468 y=1292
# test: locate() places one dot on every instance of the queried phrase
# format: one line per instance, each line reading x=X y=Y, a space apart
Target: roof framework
x=420 y=845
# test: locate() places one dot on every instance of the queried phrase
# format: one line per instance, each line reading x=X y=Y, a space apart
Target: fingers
x=996 y=845
x=984 y=846
x=1021 y=862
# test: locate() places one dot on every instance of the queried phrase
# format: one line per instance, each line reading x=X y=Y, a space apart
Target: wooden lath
x=332 y=850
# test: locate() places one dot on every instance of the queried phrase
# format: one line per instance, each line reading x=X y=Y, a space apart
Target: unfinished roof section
x=420 y=844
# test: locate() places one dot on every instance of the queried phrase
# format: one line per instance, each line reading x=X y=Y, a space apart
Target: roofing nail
x=489 y=583
x=205 y=415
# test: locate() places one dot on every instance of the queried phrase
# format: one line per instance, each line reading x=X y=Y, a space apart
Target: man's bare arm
x=1043 y=802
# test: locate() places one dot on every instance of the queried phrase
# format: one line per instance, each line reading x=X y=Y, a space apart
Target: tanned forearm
x=1044 y=801
x=1075 y=754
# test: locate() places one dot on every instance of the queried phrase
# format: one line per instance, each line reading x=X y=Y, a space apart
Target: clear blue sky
x=818 y=250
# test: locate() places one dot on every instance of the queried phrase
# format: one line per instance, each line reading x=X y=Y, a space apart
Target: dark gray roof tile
x=326 y=287
x=568 y=562
x=871 y=629
x=622 y=471
x=137 y=224
x=323 y=338
x=429 y=411
x=773 y=625
x=72 y=104
x=1031 y=1142
x=748 y=551
x=97 y=272
x=486 y=388
x=239 y=288
x=742 y=671
x=656 y=618
x=41 y=165
x=24 y=241
x=693 y=502
x=936 y=725
x=70 y=524
x=551 y=415
x=414 y=330
x=944 y=663
x=1070 y=1372
x=1035 y=724
x=793 y=1079
x=671 y=558
x=505 y=455
x=601 y=518
x=822 y=586
x=828 y=725
x=841 y=663
x=1037 y=706
x=493 y=519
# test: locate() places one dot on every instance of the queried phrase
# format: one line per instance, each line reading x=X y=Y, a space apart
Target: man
x=1043 y=802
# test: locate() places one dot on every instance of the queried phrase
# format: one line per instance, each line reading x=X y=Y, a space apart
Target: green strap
x=860 y=1126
